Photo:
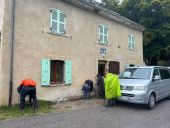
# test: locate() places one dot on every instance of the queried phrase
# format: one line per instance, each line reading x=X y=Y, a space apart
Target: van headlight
x=141 y=88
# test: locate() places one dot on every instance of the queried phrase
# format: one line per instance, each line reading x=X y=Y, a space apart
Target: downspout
x=12 y=52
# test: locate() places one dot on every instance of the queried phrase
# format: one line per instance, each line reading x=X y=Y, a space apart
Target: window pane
x=57 y=68
x=164 y=74
x=54 y=26
x=101 y=29
x=105 y=39
x=62 y=16
x=133 y=38
x=105 y=30
x=61 y=28
x=129 y=45
x=133 y=46
x=101 y=38
x=129 y=38
x=54 y=14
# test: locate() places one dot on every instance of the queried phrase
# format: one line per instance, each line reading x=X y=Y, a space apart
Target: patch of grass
x=8 y=112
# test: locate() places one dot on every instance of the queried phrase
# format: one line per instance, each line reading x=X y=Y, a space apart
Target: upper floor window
x=131 y=42
x=103 y=34
x=58 y=22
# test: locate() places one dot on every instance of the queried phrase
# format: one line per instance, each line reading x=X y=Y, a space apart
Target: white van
x=145 y=85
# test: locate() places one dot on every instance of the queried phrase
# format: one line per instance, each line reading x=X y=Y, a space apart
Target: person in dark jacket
x=100 y=84
x=87 y=89
x=90 y=83
x=27 y=88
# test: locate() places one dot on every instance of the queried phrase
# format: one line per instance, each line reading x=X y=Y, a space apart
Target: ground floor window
x=56 y=72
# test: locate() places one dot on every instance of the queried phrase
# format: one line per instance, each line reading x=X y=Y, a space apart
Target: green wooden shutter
x=45 y=80
x=68 y=72
x=62 y=22
x=54 y=21
x=129 y=41
x=100 y=33
x=133 y=42
x=105 y=34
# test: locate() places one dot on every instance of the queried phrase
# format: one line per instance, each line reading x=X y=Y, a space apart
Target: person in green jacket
x=112 y=88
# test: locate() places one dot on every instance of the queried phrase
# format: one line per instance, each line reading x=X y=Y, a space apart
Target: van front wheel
x=151 y=102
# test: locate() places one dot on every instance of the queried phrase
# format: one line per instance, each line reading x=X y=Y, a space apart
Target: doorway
x=101 y=67
x=114 y=67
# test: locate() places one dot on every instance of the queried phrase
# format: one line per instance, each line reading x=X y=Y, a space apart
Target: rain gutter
x=11 y=51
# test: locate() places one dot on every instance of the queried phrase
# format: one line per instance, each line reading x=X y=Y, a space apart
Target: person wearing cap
x=27 y=88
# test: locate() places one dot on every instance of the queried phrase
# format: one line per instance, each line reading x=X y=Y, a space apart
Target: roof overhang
x=91 y=5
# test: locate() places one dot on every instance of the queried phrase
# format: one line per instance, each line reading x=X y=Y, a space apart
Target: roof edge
x=97 y=8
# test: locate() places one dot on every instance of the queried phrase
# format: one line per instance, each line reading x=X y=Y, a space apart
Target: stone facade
x=33 y=41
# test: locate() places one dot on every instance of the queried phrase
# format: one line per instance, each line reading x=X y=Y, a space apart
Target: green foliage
x=155 y=16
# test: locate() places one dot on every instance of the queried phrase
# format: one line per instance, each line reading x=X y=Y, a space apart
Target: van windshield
x=137 y=73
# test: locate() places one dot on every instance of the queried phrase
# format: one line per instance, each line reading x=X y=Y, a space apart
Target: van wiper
x=136 y=78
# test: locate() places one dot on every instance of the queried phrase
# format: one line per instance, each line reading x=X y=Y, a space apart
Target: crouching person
x=87 y=89
x=27 y=88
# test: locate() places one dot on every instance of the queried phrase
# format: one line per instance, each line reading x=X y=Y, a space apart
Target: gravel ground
x=92 y=114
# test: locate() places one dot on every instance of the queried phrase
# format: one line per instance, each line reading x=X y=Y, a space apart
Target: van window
x=164 y=74
x=155 y=73
x=137 y=73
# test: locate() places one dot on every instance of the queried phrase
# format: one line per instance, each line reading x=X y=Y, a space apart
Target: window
x=137 y=73
x=56 y=72
x=103 y=34
x=155 y=73
x=164 y=74
x=58 y=22
x=131 y=42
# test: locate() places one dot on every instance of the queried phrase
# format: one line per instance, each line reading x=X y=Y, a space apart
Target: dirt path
x=78 y=104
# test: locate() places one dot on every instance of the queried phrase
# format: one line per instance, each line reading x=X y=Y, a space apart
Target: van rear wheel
x=151 y=102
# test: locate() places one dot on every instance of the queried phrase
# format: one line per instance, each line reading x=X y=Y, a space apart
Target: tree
x=155 y=16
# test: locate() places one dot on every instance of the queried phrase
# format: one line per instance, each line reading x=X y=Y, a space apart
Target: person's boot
x=112 y=102
x=108 y=104
x=35 y=103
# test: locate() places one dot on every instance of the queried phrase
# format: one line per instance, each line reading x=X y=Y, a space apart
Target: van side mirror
x=156 y=78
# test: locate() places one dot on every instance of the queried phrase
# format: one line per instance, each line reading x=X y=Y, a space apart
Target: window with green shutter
x=58 y=22
x=103 y=34
x=131 y=42
x=56 y=72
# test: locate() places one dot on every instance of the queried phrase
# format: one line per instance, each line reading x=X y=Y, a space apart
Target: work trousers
x=28 y=91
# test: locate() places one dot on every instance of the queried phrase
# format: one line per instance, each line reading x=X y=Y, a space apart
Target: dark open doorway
x=101 y=67
x=114 y=67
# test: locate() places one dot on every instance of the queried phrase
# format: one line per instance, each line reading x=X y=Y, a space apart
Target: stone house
x=61 y=43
